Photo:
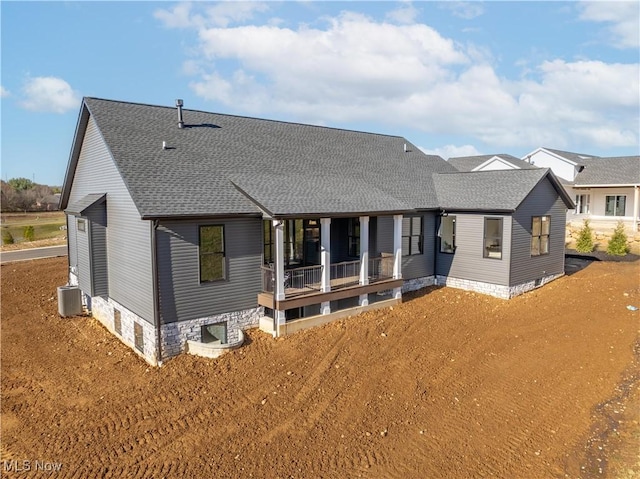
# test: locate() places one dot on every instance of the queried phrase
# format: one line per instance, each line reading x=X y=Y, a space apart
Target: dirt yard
x=449 y=384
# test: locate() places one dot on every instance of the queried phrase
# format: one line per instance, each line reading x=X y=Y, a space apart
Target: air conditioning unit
x=69 y=301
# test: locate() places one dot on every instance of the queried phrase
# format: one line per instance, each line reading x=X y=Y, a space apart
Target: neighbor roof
x=494 y=190
x=469 y=163
x=618 y=170
x=224 y=164
x=577 y=158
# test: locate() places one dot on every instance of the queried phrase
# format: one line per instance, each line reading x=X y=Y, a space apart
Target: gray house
x=187 y=227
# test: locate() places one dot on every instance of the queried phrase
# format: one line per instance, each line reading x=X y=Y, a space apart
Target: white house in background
x=605 y=189
x=500 y=161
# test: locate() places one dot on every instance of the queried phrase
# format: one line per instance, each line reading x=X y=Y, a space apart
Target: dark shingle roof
x=469 y=163
x=292 y=168
x=619 y=170
x=497 y=190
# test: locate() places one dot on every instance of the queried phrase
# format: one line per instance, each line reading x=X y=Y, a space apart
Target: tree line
x=22 y=194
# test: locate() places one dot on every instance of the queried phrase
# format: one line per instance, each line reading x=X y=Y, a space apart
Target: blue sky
x=454 y=78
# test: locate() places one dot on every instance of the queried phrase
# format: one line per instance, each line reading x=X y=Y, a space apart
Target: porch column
x=278 y=271
x=364 y=257
x=325 y=261
x=636 y=206
x=397 y=253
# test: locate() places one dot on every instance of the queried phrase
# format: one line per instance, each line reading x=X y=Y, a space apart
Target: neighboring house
x=187 y=227
x=500 y=161
x=606 y=189
x=49 y=203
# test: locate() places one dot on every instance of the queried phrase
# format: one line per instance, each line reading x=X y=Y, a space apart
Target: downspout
x=156 y=296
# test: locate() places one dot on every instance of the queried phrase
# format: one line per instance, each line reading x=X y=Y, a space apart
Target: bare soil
x=450 y=384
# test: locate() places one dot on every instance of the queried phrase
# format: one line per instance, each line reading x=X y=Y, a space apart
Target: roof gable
x=497 y=190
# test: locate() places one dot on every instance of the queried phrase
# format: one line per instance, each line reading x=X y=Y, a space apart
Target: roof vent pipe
x=179 y=104
x=405 y=147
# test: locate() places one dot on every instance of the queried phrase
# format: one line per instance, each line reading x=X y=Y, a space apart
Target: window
x=138 y=337
x=540 y=226
x=447 y=234
x=493 y=238
x=214 y=333
x=82 y=224
x=293 y=242
x=212 y=260
x=354 y=236
x=412 y=235
x=582 y=204
x=117 y=321
x=615 y=205
x=267 y=229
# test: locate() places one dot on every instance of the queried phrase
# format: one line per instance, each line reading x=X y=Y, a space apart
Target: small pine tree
x=28 y=233
x=7 y=237
x=584 y=244
x=618 y=242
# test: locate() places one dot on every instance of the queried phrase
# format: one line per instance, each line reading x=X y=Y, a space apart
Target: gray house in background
x=186 y=228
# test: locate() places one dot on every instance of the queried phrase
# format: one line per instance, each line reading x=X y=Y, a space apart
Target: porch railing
x=309 y=278
x=296 y=280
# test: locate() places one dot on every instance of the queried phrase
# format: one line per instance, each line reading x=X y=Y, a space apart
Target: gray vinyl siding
x=97 y=227
x=415 y=266
x=468 y=262
x=543 y=200
x=72 y=240
x=182 y=296
x=128 y=238
x=84 y=259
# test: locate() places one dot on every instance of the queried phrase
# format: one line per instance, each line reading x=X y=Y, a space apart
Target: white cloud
x=179 y=16
x=406 y=14
x=452 y=151
x=358 y=69
x=4 y=92
x=466 y=10
x=220 y=15
x=49 y=94
x=622 y=18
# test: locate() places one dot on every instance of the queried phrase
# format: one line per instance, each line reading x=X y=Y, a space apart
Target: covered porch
x=306 y=280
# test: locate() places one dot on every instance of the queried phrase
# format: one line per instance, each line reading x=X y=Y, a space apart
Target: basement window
x=215 y=333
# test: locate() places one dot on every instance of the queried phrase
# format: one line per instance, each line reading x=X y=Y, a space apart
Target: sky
x=454 y=78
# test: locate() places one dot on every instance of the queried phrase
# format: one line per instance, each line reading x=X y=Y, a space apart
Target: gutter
x=156 y=295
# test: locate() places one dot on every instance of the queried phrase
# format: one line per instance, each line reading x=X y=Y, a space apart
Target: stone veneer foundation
x=496 y=290
x=418 y=283
x=174 y=335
